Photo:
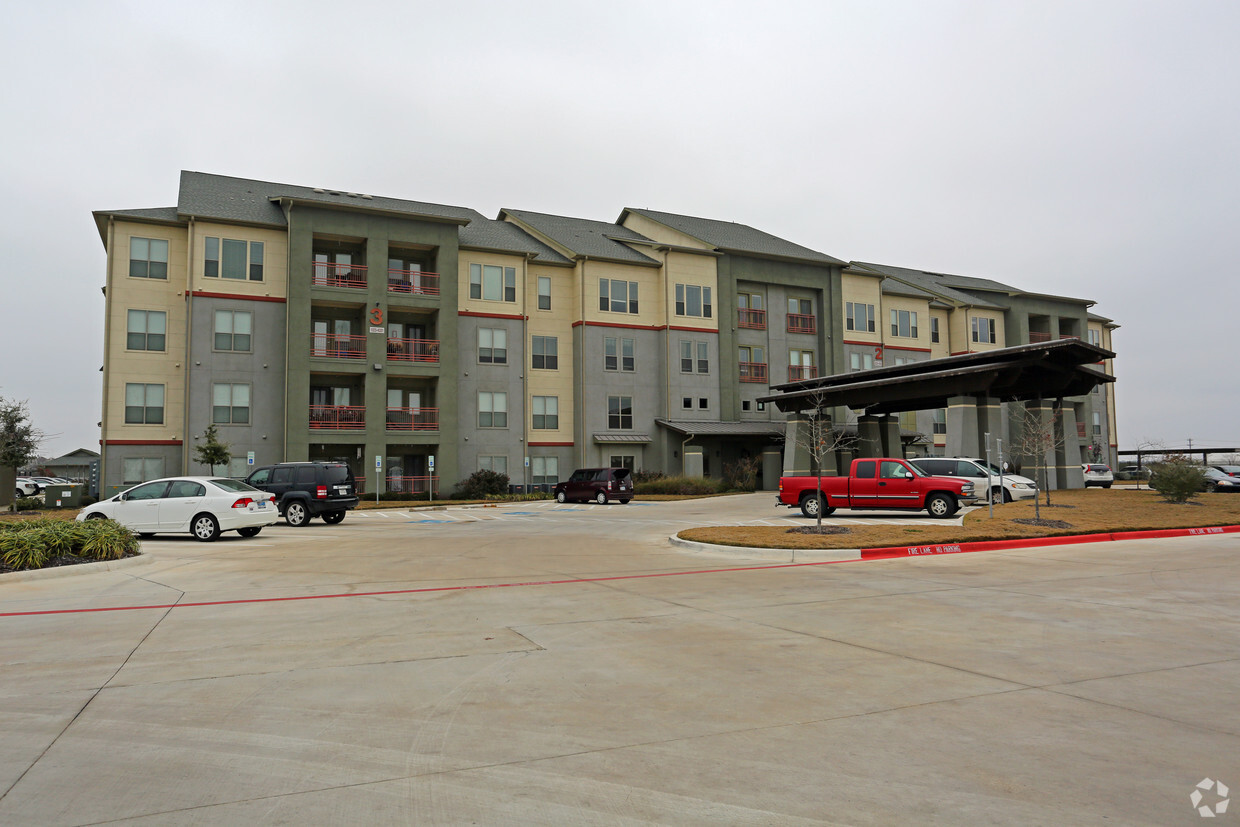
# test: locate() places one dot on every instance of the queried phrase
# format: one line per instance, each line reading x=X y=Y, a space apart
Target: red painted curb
x=1035 y=542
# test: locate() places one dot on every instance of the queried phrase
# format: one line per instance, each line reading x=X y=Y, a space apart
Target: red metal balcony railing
x=1080 y=430
x=752 y=319
x=1036 y=336
x=413 y=350
x=413 y=282
x=327 y=274
x=413 y=485
x=796 y=372
x=337 y=346
x=337 y=418
x=413 y=419
x=801 y=323
x=753 y=372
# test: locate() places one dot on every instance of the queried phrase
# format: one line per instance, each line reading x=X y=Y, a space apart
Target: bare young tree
x=1039 y=438
x=822 y=440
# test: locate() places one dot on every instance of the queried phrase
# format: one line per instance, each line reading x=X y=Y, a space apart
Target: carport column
x=889 y=425
x=963 y=435
x=990 y=420
x=869 y=436
x=1068 y=451
x=770 y=468
x=693 y=460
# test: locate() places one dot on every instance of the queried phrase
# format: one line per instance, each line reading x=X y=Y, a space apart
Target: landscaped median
x=27 y=544
x=1089 y=514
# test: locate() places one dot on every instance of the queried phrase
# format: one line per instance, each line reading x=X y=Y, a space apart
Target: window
x=544 y=352
x=232 y=330
x=144 y=404
x=703 y=403
x=620 y=413
x=686 y=356
x=752 y=364
x=544 y=292
x=544 y=470
x=693 y=300
x=546 y=413
x=686 y=402
x=703 y=358
x=230 y=404
x=860 y=361
x=688 y=362
x=232 y=259
x=749 y=301
x=623 y=462
x=1094 y=337
x=801 y=365
x=497 y=464
x=148 y=258
x=746 y=404
x=492 y=283
x=801 y=307
x=940 y=421
x=141 y=469
x=983 y=329
x=801 y=316
x=934 y=328
x=492 y=346
x=858 y=316
x=145 y=329
x=617 y=296
x=618 y=354
x=904 y=323
x=1097 y=424
x=492 y=409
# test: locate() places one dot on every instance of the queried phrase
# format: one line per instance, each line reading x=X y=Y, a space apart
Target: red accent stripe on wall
x=206 y=295
x=143 y=442
x=913 y=349
x=516 y=316
x=552 y=444
x=862 y=344
x=624 y=326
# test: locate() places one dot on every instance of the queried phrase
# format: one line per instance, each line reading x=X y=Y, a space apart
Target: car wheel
x=250 y=530
x=601 y=498
x=810 y=505
x=1106 y=485
x=296 y=514
x=205 y=528
x=96 y=516
x=624 y=502
x=333 y=517
x=1007 y=496
x=941 y=505
x=561 y=497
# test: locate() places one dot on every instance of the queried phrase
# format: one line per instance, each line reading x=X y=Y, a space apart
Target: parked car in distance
x=877 y=483
x=202 y=506
x=598 y=484
x=304 y=490
x=1133 y=472
x=1220 y=481
x=27 y=487
x=1229 y=470
x=1097 y=474
x=1015 y=487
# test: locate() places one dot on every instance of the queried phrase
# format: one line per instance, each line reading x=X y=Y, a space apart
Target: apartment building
x=420 y=342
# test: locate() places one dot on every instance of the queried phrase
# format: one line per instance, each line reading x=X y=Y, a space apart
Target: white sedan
x=202 y=506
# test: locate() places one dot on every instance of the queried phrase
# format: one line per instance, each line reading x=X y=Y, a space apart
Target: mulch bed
x=1044 y=523
x=826 y=529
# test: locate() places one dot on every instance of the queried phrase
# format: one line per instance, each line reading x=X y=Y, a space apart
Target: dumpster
x=63 y=496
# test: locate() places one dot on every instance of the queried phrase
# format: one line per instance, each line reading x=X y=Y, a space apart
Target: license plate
x=262 y=505
x=342 y=489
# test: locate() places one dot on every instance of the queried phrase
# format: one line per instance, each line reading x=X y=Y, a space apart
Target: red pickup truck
x=878 y=483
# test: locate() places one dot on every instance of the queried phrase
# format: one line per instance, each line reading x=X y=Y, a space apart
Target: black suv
x=308 y=489
x=598 y=484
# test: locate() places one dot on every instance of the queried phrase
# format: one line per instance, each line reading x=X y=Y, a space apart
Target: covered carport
x=972 y=387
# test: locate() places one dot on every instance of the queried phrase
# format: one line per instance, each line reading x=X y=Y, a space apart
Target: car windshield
x=236 y=486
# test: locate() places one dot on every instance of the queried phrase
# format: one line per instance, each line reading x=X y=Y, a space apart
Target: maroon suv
x=598 y=484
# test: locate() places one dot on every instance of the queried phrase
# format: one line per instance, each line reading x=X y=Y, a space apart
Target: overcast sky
x=1086 y=149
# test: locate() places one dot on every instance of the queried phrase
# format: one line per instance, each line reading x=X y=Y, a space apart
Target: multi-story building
x=421 y=342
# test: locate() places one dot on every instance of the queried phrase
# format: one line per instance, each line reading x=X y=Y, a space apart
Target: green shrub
x=22 y=550
x=107 y=540
x=685 y=486
x=480 y=485
x=647 y=476
x=27 y=504
x=1178 y=479
x=32 y=544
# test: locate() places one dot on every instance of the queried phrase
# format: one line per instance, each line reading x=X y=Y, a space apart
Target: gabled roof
x=506 y=237
x=583 y=237
x=927 y=282
x=728 y=236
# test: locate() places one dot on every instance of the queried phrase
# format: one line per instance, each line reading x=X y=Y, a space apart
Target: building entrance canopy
x=1045 y=370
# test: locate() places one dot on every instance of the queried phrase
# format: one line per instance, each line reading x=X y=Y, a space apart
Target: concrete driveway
x=578 y=669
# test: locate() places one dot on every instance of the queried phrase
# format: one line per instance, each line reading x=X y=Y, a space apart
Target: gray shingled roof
x=971 y=283
x=926 y=281
x=504 y=236
x=152 y=214
x=729 y=236
x=240 y=199
x=585 y=237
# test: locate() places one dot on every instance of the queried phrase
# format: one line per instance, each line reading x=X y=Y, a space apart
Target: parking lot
x=565 y=664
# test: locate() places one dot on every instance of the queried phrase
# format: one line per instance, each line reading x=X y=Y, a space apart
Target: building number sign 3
x=376 y=316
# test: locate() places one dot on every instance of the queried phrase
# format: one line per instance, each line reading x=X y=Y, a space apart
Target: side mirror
x=908 y=475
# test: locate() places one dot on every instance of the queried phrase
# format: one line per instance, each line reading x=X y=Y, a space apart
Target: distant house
x=74 y=465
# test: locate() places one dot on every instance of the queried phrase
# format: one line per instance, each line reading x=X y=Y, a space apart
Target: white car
x=27 y=487
x=1097 y=474
x=202 y=506
x=1015 y=487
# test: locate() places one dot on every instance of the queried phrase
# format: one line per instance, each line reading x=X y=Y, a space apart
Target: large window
x=144 y=404
x=694 y=356
x=544 y=292
x=492 y=346
x=233 y=259
x=146 y=329
x=230 y=404
x=544 y=351
x=860 y=361
x=940 y=421
x=233 y=329
x=620 y=413
x=801 y=365
x=904 y=323
x=623 y=461
x=858 y=316
x=492 y=283
x=615 y=296
x=497 y=464
x=983 y=329
x=544 y=470
x=148 y=258
x=934 y=328
x=141 y=469
x=1094 y=337
x=619 y=354
x=546 y=410
x=693 y=300
x=492 y=409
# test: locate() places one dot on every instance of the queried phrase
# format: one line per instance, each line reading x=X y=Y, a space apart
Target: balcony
x=752 y=319
x=413 y=282
x=337 y=418
x=801 y=323
x=337 y=346
x=413 y=419
x=1080 y=430
x=327 y=274
x=753 y=372
x=798 y=372
x=413 y=350
x=413 y=485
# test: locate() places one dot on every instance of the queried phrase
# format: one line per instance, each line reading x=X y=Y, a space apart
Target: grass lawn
x=1090 y=511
